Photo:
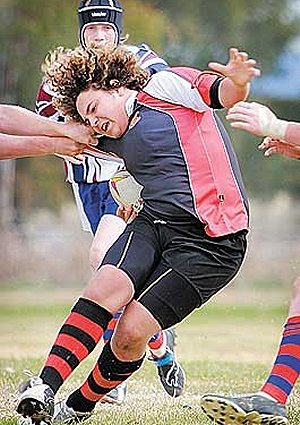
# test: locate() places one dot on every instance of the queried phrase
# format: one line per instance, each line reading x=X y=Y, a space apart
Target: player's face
x=99 y=34
x=104 y=111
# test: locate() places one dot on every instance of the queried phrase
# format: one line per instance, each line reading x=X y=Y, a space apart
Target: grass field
x=226 y=347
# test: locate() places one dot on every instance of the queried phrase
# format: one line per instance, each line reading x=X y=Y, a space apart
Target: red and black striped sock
x=106 y=375
x=76 y=339
x=286 y=369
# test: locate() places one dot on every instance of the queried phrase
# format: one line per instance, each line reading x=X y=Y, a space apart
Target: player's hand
x=271 y=146
x=256 y=119
x=240 y=69
x=80 y=133
x=66 y=146
x=128 y=214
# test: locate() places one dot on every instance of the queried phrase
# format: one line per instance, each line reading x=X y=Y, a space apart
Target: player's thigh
x=108 y=231
x=191 y=271
x=208 y=264
x=136 y=251
x=168 y=296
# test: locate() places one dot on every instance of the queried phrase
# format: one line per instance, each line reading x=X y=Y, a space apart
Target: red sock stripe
x=275 y=392
x=291 y=350
x=292 y=332
x=102 y=382
x=294 y=319
x=72 y=344
x=89 y=394
x=285 y=372
x=83 y=323
x=157 y=343
x=60 y=365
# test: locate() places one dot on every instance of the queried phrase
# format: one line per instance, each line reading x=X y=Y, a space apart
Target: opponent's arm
x=15 y=120
x=261 y=121
x=238 y=72
x=14 y=146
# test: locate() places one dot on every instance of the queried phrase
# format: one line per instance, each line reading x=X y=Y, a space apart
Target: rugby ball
x=125 y=189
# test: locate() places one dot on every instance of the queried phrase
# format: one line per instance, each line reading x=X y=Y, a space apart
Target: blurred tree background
x=191 y=33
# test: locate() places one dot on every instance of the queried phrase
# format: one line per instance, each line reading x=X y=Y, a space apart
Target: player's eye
x=105 y=126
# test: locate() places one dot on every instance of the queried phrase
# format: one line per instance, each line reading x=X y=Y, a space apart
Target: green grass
x=227 y=347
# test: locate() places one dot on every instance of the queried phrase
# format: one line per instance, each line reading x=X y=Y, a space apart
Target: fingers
x=215 y=66
x=235 y=54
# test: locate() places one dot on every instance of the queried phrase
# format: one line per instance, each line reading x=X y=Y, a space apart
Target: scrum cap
x=100 y=11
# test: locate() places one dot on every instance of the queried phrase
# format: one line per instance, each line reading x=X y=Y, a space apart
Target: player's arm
x=15 y=146
x=260 y=120
x=15 y=120
x=238 y=73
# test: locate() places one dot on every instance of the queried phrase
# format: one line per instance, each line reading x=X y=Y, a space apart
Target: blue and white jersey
x=96 y=168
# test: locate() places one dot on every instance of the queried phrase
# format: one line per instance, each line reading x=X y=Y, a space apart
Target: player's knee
x=128 y=341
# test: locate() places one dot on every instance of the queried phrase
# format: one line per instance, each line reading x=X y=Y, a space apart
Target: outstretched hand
x=240 y=69
x=281 y=147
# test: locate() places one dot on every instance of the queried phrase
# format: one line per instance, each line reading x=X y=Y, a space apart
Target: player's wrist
x=270 y=125
x=277 y=128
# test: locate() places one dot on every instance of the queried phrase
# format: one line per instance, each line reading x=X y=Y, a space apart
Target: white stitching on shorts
x=125 y=249
x=155 y=282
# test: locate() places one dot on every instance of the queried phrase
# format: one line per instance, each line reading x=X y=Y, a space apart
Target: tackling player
x=189 y=240
x=268 y=405
x=100 y=22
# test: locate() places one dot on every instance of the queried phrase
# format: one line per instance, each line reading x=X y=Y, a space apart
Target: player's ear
x=121 y=91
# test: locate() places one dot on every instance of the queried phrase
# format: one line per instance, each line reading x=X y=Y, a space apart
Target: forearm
x=292 y=133
x=20 y=121
x=22 y=146
x=231 y=93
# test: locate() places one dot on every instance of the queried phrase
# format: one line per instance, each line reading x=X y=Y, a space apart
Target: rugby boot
x=170 y=372
x=252 y=409
x=36 y=401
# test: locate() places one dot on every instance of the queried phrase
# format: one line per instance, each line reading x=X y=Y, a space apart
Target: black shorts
x=175 y=268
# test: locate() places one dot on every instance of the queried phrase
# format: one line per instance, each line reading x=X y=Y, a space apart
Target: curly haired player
x=100 y=22
x=189 y=240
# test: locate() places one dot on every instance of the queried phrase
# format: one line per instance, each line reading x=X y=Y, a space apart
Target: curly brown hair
x=68 y=72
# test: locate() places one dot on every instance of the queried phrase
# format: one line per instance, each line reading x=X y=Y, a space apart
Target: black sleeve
x=214 y=94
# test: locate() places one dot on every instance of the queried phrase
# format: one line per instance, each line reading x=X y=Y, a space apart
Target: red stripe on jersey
x=42 y=95
x=275 y=392
x=47 y=111
x=217 y=196
x=60 y=365
x=72 y=344
x=83 y=323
